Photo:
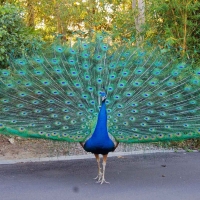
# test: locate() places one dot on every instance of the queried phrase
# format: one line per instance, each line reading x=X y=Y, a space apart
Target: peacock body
x=100 y=143
x=87 y=89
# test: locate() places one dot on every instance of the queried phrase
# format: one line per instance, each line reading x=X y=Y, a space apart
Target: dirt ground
x=12 y=148
x=20 y=148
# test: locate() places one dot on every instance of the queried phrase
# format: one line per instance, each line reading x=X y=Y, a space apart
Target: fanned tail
x=150 y=95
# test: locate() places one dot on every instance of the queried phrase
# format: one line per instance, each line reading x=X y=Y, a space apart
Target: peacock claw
x=101 y=180
x=104 y=181
x=99 y=177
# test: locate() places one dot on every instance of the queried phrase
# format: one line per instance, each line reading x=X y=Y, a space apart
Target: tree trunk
x=139 y=5
x=134 y=4
x=31 y=14
x=58 y=17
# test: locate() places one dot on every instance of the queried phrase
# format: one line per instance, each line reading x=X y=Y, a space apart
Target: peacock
x=100 y=92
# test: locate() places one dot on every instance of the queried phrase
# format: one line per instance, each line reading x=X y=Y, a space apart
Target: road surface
x=162 y=176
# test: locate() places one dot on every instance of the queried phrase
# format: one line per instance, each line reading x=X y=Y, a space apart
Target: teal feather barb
x=151 y=95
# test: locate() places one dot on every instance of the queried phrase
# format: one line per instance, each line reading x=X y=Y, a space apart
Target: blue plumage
x=100 y=143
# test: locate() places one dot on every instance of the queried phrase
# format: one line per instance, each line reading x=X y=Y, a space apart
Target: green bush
x=15 y=37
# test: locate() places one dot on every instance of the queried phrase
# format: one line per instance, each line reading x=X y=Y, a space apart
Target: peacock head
x=103 y=95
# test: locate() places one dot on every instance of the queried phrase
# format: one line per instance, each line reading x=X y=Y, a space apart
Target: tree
x=139 y=7
x=15 y=37
x=177 y=24
x=30 y=14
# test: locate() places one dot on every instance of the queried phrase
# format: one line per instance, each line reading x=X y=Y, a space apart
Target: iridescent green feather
x=151 y=95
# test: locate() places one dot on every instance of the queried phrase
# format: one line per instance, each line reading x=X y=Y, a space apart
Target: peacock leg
x=99 y=176
x=104 y=167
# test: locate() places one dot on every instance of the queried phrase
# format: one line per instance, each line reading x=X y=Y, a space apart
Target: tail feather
x=150 y=95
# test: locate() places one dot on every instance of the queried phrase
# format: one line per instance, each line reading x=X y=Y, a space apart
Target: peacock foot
x=99 y=177
x=104 y=181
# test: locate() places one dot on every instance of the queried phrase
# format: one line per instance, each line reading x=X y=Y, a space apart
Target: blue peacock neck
x=100 y=143
x=101 y=131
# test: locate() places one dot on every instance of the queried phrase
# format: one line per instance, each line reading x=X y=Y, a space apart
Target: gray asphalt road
x=168 y=176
